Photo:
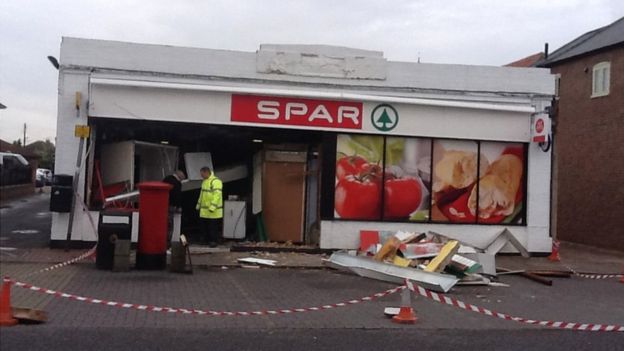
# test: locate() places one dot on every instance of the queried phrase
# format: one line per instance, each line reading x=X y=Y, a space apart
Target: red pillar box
x=152 y=244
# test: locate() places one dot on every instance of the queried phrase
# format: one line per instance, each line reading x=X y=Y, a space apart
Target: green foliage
x=45 y=150
x=367 y=146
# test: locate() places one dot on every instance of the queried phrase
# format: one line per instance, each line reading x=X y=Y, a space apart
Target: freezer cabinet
x=234 y=219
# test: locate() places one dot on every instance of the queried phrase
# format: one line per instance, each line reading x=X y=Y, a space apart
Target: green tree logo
x=384 y=117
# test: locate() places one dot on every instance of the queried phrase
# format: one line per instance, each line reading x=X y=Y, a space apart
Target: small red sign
x=296 y=111
x=539 y=125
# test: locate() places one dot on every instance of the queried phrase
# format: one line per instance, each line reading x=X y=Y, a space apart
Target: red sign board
x=296 y=111
x=541 y=128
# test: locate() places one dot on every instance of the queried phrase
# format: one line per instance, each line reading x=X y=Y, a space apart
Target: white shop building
x=318 y=142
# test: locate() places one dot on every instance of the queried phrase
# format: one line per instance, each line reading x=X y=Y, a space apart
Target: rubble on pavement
x=433 y=260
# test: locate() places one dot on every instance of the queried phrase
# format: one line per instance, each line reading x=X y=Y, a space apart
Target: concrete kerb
x=590 y=264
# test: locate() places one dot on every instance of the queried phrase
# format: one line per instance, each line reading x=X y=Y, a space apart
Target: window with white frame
x=600 y=79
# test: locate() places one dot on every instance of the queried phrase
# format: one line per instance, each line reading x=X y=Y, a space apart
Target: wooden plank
x=283 y=196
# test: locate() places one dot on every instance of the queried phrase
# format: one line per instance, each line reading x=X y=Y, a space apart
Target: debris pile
x=434 y=260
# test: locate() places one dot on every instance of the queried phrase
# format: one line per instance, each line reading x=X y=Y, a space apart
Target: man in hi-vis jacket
x=210 y=207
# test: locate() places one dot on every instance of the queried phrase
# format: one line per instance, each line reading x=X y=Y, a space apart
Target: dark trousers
x=170 y=214
x=210 y=229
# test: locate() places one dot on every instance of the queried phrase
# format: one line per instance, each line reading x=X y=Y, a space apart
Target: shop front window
x=455 y=175
x=406 y=179
x=359 y=174
x=501 y=184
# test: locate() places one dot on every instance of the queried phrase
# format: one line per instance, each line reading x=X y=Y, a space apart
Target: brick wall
x=589 y=152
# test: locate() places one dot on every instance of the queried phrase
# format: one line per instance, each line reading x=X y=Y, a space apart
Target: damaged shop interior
x=271 y=177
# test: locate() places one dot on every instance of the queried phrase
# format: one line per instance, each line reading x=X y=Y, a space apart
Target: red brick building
x=588 y=187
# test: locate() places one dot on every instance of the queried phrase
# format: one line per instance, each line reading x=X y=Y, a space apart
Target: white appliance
x=234 y=219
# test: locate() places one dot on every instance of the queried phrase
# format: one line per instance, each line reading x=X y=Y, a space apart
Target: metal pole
x=73 y=200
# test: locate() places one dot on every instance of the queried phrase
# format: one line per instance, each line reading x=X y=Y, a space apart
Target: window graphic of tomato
x=358 y=197
x=349 y=165
x=402 y=196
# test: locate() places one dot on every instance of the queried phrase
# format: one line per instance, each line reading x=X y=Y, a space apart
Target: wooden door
x=283 y=198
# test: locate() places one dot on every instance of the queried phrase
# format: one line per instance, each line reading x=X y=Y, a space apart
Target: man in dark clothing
x=175 y=193
x=175 y=198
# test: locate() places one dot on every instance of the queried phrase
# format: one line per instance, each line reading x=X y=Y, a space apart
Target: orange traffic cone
x=6 y=316
x=554 y=253
x=406 y=312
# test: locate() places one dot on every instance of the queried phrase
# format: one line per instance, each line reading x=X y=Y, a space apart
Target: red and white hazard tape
x=152 y=308
x=593 y=275
x=597 y=276
x=468 y=307
x=87 y=254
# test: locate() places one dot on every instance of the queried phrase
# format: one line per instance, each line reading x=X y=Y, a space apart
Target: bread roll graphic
x=497 y=188
x=457 y=169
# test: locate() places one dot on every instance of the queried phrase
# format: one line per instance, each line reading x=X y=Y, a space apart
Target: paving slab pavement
x=220 y=284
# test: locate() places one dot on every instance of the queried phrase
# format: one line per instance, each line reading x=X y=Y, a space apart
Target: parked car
x=14 y=169
x=43 y=177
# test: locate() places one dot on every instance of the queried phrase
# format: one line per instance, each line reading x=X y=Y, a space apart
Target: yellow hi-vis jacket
x=210 y=202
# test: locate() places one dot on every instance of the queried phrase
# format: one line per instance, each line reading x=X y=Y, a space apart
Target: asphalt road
x=29 y=338
x=79 y=326
x=25 y=223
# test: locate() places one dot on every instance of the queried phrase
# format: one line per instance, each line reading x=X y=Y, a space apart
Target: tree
x=47 y=155
x=45 y=150
x=17 y=142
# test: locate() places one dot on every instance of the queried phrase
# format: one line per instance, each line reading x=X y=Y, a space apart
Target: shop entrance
x=272 y=174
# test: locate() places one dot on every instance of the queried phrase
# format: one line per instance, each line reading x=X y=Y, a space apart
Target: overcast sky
x=451 y=31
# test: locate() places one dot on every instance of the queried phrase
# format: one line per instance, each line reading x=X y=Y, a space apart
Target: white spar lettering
x=268 y=109
x=320 y=112
x=349 y=112
x=295 y=109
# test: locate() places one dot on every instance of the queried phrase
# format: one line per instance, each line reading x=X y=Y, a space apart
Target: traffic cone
x=622 y=277
x=406 y=312
x=6 y=316
x=554 y=253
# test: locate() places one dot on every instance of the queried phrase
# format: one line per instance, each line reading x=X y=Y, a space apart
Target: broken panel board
x=136 y=161
x=369 y=268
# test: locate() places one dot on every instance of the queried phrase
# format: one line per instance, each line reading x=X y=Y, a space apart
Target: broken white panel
x=117 y=162
x=321 y=61
x=392 y=311
x=369 y=268
x=487 y=262
x=127 y=196
x=232 y=173
x=156 y=160
x=177 y=224
x=226 y=174
x=474 y=279
x=259 y=261
x=194 y=161
x=504 y=237
x=466 y=249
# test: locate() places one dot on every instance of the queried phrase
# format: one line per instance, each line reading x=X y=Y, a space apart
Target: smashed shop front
x=310 y=152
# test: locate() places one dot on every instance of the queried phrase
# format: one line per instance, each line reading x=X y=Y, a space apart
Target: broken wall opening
x=230 y=148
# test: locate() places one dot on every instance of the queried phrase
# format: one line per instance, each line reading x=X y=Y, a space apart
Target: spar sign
x=296 y=111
